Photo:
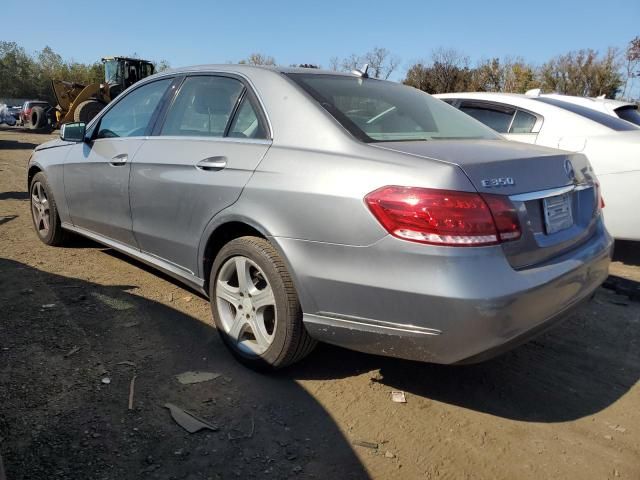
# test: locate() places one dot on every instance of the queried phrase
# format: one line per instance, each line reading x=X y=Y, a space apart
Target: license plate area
x=557 y=213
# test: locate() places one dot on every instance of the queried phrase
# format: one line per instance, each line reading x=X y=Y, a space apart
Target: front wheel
x=255 y=306
x=44 y=212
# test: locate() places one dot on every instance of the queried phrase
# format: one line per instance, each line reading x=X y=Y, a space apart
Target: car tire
x=44 y=212
x=38 y=118
x=263 y=332
x=87 y=110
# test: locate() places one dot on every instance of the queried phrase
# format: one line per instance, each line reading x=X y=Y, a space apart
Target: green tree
x=583 y=73
x=17 y=71
x=448 y=72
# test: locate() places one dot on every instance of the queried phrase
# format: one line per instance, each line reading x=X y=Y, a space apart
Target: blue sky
x=193 y=32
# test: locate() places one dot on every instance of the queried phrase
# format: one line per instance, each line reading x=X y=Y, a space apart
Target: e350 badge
x=498 y=182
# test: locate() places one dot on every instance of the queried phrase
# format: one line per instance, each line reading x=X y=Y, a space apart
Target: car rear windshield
x=593 y=115
x=380 y=111
x=629 y=113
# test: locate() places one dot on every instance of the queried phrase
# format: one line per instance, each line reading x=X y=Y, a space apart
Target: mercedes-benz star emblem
x=568 y=167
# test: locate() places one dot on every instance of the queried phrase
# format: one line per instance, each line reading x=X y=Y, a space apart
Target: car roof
x=522 y=99
x=589 y=101
x=255 y=69
x=515 y=99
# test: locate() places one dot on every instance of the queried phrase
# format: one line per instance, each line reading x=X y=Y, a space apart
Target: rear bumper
x=437 y=304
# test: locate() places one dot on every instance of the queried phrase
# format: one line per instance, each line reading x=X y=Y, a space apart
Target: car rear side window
x=495 y=117
x=523 y=122
x=629 y=113
x=131 y=115
x=246 y=123
x=593 y=115
x=203 y=107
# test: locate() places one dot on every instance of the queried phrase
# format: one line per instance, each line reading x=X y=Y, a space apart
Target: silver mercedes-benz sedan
x=316 y=206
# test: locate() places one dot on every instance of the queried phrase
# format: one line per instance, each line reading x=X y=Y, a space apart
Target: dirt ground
x=566 y=405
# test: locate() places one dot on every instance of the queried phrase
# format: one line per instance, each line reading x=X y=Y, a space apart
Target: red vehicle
x=27 y=107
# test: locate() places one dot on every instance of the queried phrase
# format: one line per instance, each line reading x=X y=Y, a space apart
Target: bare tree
x=259 y=59
x=351 y=62
x=382 y=63
x=450 y=70
x=162 y=65
x=632 y=65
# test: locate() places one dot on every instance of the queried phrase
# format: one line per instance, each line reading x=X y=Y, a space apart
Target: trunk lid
x=553 y=191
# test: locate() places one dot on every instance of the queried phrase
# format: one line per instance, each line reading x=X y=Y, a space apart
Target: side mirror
x=73 y=132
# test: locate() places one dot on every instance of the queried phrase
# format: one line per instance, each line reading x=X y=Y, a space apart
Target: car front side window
x=131 y=115
x=203 y=107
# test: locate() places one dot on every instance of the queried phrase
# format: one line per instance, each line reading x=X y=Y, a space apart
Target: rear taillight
x=443 y=217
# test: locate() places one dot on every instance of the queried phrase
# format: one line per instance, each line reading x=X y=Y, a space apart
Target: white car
x=611 y=144
x=616 y=108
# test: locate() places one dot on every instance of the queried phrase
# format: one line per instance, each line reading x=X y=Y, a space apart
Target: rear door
x=201 y=155
x=512 y=122
x=96 y=173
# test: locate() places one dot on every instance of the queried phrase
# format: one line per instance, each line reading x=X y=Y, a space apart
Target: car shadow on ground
x=153 y=271
x=6 y=219
x=576 y=370
x=62 y=338
x=16 y=145
x=14 y=195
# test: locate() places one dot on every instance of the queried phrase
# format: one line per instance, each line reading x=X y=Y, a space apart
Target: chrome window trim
x=204 y=138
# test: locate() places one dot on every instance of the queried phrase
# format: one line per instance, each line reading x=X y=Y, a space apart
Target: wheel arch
x=220 y=231
x=33 y=169
x=217 y=236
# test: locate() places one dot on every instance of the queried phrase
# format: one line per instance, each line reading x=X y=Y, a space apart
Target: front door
x=96 y=173
x=196 y=164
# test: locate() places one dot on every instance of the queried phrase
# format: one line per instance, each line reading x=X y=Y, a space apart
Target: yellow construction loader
x=80 y=103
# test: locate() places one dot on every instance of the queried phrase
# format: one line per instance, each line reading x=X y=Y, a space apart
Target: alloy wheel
x=40 y=209
x=246 y=305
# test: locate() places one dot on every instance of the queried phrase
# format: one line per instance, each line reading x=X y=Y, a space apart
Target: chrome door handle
x=212 y=164
x=119 y=160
